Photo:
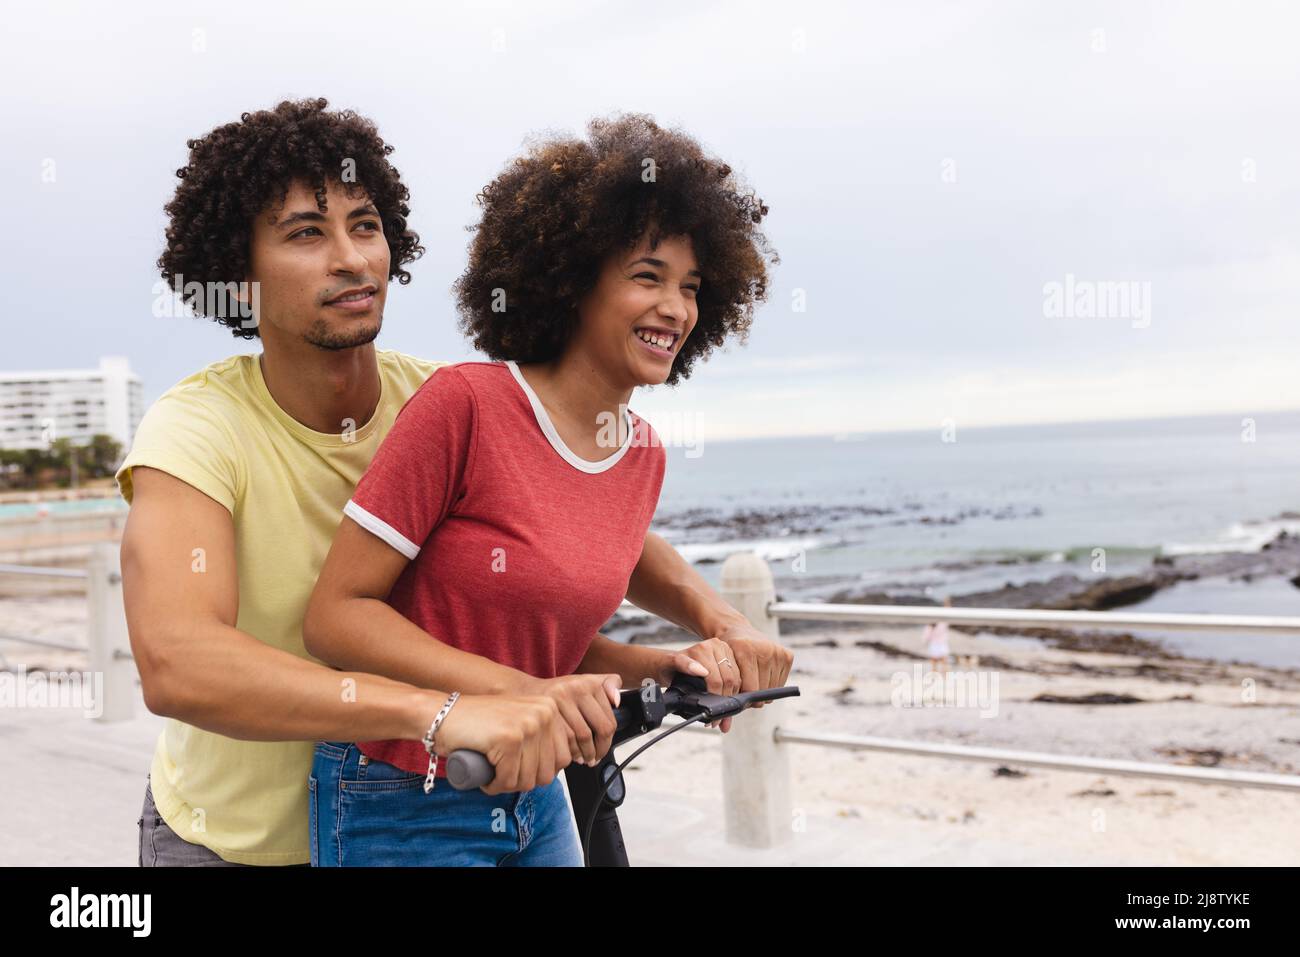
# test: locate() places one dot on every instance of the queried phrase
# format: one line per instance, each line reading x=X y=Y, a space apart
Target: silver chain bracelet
x=432 y=775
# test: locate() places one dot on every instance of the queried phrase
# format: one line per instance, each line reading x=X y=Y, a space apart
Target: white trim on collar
x=552 y=436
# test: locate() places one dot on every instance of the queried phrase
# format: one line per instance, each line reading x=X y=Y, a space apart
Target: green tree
x=100 y=457
x=59 y=458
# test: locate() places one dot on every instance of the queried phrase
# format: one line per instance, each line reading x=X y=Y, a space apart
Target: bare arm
x=197 y=667
x=736 y=655
x=632 y=663
x=350 y=624
x=665 y=584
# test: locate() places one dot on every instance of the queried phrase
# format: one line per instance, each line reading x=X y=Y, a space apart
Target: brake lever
x=693 y=698
x=712 y=706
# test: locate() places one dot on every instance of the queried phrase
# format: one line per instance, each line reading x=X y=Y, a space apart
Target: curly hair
x=554 y=214
x=239 y=169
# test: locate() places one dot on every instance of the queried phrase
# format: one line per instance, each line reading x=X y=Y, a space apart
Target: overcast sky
x=931 y=170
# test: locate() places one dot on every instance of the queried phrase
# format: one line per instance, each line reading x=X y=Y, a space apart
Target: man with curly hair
x=237 y=479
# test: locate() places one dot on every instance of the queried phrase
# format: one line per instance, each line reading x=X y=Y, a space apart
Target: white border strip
x=381 y=529
x=552 y=436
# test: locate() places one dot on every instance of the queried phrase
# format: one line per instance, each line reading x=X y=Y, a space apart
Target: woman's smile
x=658 y=342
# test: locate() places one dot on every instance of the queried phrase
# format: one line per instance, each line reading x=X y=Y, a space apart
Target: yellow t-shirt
x=285 y=485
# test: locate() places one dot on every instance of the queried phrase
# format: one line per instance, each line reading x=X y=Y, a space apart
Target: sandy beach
x=1188 y=713
x=906 y=809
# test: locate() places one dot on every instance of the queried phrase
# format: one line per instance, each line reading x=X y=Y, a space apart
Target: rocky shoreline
x=1280 y=557
x=775 y=522
x=1071 y=592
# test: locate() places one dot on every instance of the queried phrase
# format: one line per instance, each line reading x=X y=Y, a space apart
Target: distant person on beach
x=287 y=226
x=495 y=530
x=936 y=642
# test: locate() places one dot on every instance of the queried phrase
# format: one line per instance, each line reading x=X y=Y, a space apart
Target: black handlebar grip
x=468 y=769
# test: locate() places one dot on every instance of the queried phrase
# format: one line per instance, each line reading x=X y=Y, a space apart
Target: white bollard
x=755 y=767
x=110 y=646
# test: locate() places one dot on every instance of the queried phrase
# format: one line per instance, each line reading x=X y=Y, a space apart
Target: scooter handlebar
x=468 y=769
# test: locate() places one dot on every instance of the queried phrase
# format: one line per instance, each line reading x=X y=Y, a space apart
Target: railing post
x=110 y=647
x=755 y=767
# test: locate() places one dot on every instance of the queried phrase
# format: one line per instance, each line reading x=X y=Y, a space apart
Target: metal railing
x=42 y=571
x=108 y=645
x=755 y=754
x=756 y=773
x=1033 y=618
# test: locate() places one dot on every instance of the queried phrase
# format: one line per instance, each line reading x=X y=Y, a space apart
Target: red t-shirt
x=520 y=550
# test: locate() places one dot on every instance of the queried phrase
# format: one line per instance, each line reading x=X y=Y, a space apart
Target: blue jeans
x=368 y=813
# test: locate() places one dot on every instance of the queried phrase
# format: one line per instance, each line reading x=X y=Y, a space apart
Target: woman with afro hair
x=500 y=521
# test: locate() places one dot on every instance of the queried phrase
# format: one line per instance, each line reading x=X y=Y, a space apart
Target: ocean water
x=909 y=512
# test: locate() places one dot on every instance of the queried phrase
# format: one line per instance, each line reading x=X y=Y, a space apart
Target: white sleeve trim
x=381 y=529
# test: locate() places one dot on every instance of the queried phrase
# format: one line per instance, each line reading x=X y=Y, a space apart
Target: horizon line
x=993 y=425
